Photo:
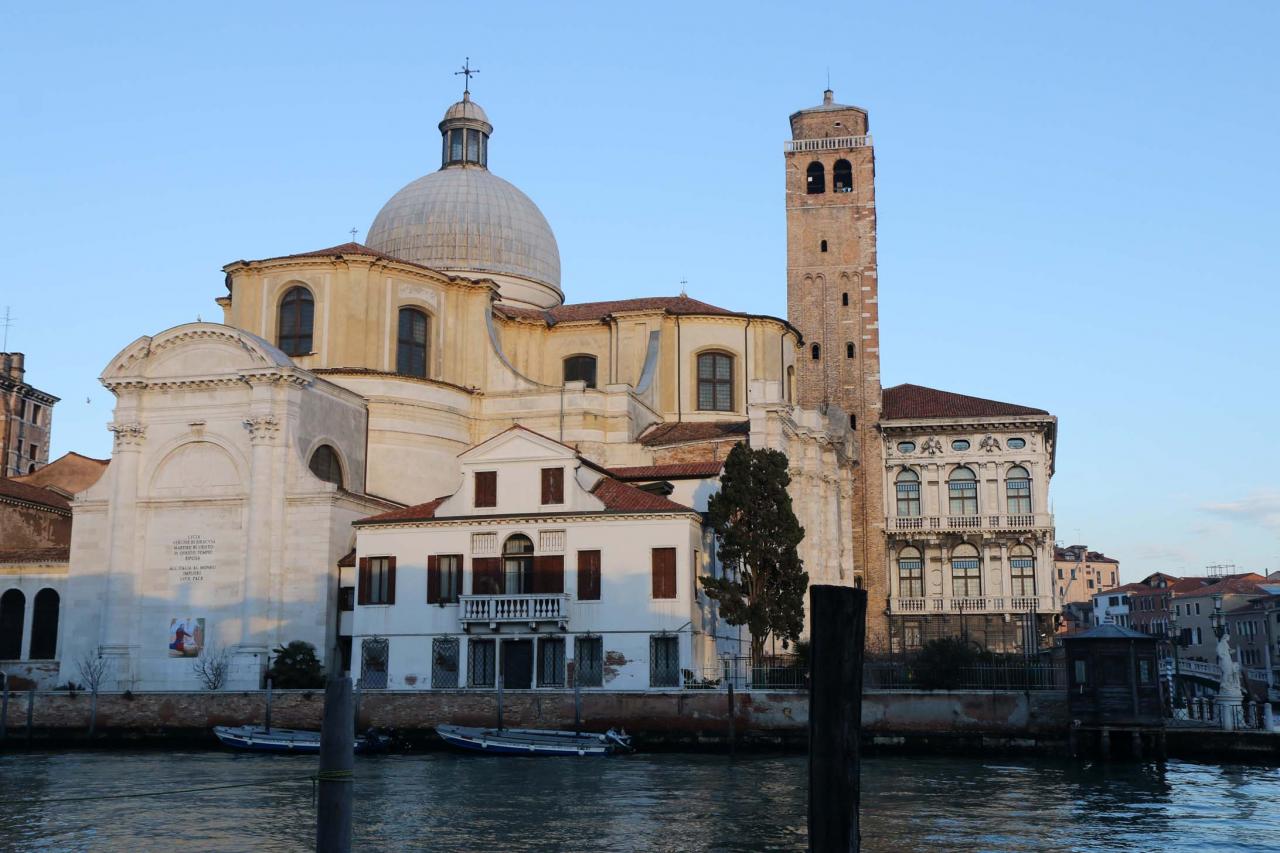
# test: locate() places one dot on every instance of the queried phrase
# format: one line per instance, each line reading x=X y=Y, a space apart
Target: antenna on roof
x=8 y=321
x=354 y=232
x=828 y=77
x=684 y=287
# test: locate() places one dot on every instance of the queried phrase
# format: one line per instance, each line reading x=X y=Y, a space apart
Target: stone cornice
x=9 y=499
x=920 y=426
x=531 y=518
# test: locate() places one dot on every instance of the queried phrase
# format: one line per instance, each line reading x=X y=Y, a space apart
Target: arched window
x=31 y=469
x=910 y=574
x=966 y=572
x=1022 y=568
x=908 y=488
x=580 y=368
x=962 y=488
x=815 y=352
x=13 y=607
x=791 y=384
x=411 y=343
x=848 y=350
x=815 y=179
x=517 y=564
x=325 y=465
x=297 y=316
x=842 y=177
x=823 y=246
x=1017 y=486
x=44 y=625
x=715 y=382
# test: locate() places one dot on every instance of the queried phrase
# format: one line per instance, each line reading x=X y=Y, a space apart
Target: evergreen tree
x=757 y=532
x=296 y=666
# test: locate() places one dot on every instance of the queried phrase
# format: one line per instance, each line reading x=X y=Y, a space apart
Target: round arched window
x=325 y=465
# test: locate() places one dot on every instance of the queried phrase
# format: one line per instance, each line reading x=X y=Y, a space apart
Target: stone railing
x=830 y=143
x=944 y=523
x=939 y=605
x=495 y=610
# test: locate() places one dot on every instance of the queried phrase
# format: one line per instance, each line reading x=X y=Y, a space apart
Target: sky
x=1077 y=202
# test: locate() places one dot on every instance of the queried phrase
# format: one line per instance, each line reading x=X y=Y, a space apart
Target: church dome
x=463 y=219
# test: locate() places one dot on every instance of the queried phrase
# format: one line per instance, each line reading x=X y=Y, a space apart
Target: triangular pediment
x=514 y=444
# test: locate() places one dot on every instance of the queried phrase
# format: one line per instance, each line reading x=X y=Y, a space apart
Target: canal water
x=442 y=801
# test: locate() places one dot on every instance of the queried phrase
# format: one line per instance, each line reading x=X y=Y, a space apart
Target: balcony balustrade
x=982 y=604
x=496 y=610
x=946 y=523
x=830 y=143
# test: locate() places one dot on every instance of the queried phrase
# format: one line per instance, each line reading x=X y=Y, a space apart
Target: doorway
x=517 y=664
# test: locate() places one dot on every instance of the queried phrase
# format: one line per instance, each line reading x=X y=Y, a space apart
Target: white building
x=541 y=565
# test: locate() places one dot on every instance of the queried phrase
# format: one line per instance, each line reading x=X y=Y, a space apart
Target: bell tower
x=831 y=299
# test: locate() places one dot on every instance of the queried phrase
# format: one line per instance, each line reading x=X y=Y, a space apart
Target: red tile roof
x=916 y=401
x=417 y=512
x=674 y=471
x=348 y=560
x=1245 y=584
x=696 y=431
x=34 y=494
x=1067 y=555
x=620 y=497
x=35 y=555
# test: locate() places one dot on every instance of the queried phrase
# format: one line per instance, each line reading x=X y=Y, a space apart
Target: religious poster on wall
x=186 y=637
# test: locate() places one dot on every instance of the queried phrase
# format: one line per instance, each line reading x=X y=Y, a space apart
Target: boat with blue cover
x=262 y=739
x=534 y=741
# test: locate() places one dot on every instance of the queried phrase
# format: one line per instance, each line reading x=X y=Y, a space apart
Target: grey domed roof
x=468 y=220
x=468 y=109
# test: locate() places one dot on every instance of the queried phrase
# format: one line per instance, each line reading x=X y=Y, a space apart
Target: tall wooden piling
x=31 y=711
x=267 y=716
x=837 y=635
x=733 y=734
x=337 y=758
x=4 y=707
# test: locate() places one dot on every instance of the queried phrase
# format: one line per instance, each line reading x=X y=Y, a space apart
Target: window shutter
x=362 y=581
x=486 y=488
x=664 y=572
x=588 y=575
x=433 y=579
x=552 y=485
x=548 y=573
x=391 y=580
x=486 y=576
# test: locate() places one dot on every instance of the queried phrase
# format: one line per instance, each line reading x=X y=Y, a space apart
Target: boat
x=261 y=739
x=534 y=741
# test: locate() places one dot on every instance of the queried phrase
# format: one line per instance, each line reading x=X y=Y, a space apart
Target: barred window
x=910 y=574
x=374 y=654
x=1022 y=565
x=962 y=488
x=715 y=382
x=664 y=661
x=908 y=486
x=966 y=572
x=444 y=663
x=551 y=662
x=481 y=656
x=588 y=661
x=1018 y=489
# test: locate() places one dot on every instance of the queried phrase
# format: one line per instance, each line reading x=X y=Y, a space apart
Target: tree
x=758 y=533
x=211 y=667
x=296 y=666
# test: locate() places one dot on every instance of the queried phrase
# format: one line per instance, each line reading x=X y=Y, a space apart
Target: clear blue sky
x=1077 y=201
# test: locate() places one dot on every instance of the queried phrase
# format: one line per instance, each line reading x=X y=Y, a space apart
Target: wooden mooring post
x=337 y=758
x=733 y=723
x=31 y=712
x=4 y=708
x=837 y=635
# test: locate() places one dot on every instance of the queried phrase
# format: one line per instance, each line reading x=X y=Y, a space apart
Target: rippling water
x=442 y=801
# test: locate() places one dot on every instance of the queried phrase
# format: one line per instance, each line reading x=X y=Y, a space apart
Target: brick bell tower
x=831 y=299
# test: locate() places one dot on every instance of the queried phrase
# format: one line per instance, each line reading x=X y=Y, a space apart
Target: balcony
x=953 y=523
x=830 y=143
x=497 y=610
x=982 y=604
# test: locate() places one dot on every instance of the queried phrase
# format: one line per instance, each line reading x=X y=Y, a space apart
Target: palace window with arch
x=296 y=322
x=910 y=573
x=1017 y=486
x=842 y=177
x=411 y=343
x=1022 y=570
x=815 y=179
x=966 y=572
x=907 y=485
x=962 y=492
x=715 y=382
x=517 y=564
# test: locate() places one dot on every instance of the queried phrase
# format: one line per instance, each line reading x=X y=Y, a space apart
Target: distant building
x=1195 y=608
x=1255 y=635
x=26 y=419
x=1079 y=572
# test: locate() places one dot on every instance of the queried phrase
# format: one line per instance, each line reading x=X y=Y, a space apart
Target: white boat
x=534 y=741
x=260 y=739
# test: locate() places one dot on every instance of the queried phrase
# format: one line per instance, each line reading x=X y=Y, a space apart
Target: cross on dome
x=466 y=72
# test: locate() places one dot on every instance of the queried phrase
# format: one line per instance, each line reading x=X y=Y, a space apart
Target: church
x=425 y=410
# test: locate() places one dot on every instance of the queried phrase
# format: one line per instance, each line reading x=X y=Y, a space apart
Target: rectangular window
x=588 y=575
x=908 y=499
x=35 y=413
x=1144 y=672
x=444 y=663
x=1019 y=495
x=911 y=578
x=664 y=661
x=480 y=663
x=35 y=451
x=966 y=578
x=552 y=486
x=473 y=145
x=963 y=497
x=1082 y=672
x=1059 y=574
x=664 y=572
x=377 y=580
x=715 y=382
x=347 y=598
x=551 y=662
x=444 y=578
x=486 y=488
x=588 y=661
x=1023 y=574
x=911 y=636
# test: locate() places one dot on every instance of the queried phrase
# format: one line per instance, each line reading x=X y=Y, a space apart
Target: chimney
x=13 y=365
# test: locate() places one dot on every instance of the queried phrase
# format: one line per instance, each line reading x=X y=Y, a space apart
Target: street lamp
x=1218 y=620
x=1174 y=640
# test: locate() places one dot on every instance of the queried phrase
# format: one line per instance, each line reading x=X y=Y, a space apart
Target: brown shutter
x=664 y=572
x=486 y=488
x=548 y=574
x=486 y=576
x=362 y=581
x=433 y=579
x=552 y=485
x=391 y=580
x=588 y=575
